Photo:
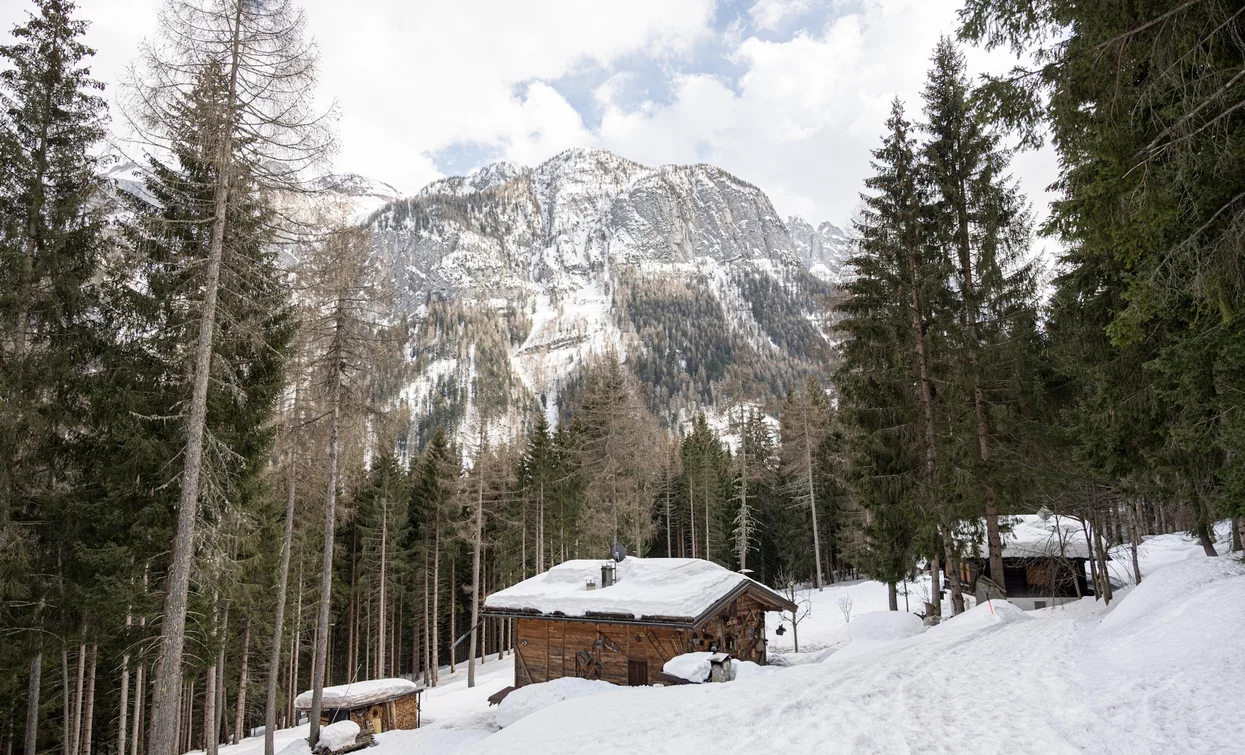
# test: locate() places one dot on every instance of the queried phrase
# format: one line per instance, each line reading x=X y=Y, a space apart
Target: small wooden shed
x=1044 y=560
x=621 y=623
x=377 y=705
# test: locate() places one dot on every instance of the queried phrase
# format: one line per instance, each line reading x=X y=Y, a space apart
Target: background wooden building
x=1043 y=563
x=623 y=625
x=377 y=705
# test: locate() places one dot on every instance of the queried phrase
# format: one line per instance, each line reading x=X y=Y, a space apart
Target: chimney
x=590 y=584
x=607 y=574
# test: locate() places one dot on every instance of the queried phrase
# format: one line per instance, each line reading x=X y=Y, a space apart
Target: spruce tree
x=51 y=248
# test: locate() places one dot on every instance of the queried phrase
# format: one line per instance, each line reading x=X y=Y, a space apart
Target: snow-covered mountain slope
x=685 y=271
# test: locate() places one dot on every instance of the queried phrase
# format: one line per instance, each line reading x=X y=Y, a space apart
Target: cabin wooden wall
x=405 y=712
x=550 y=649
x=738 y=629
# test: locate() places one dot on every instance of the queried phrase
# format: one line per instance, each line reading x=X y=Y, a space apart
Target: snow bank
x=338 y=735
x=990 y=613
x=873 y=631
x=359 y=693
x=525 y=701
x=884 y=626
x=693 y=667
x=750 y=670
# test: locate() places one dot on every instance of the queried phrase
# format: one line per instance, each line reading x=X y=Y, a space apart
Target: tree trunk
x=75 y=733
x=89 y=713
x=140 y=706
x=283 y=576
x=812 y=499
x=453 y=602
x=892 y=596
x=475 y=579
x=173 y=623
x=239 y=722
x=1134 y=535
x=934 y=610
x=330 y=520
x=32 y=703
x=953 y=575
x=210 y=719
x=436 y=597
x=1237 y=522
x=381 y=650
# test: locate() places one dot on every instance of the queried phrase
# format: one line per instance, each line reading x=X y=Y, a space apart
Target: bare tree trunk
x=453 y=602
x=240 y=714
x=140 y=706
x=953 y=575
x=330 y=520
x=210 y=719
x=475 y=578
x=892 y=596
x=381 y=650
x=1134 y=535
x=32 y=703
x=89 y=714
x=75 y=733
x=935 y=589
x=67 y=708
x=173 y=623
x=812 y=502
x=691 y=507
x=125 y=689
x=1236 y=533
x=283 y=576
x=436 y=596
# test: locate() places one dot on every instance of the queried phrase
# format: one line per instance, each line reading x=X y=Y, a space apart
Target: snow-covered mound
x=873 y=631
x=525 y=701
x=338 y=735
x=358 y=693
x=1164 y=672
x=885 y=625
x=693 y=667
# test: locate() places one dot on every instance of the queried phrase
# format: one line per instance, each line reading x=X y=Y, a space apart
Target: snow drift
x=525 y=701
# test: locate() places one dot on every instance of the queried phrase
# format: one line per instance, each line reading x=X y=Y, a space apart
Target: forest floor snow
x=1162 y=670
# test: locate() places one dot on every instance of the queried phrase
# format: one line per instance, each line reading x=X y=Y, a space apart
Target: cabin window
x=1039 y=604
x=1036 y=575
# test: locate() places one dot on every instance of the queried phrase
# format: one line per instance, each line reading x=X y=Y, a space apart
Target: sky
x=790 y=95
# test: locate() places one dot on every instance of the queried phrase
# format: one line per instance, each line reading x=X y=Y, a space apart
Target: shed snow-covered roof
x=675 y=590
x=1029 y=536
x=359 y=694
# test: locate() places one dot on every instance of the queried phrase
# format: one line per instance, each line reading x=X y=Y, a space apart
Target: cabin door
x=637 y=673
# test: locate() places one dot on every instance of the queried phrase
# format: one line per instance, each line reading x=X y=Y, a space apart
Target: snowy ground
x=1161 y=671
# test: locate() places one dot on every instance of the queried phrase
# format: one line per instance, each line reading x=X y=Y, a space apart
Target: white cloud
x=769 y=14
x=808 y=110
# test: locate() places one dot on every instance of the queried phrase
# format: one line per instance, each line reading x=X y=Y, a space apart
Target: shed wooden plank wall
x=549 y=649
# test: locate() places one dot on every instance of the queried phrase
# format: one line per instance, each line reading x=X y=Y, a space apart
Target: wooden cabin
x=1043 y=563
x=621 y=623
x=377 y=706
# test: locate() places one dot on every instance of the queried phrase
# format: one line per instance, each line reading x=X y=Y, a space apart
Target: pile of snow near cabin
x=1162 y=670
x=338 y=735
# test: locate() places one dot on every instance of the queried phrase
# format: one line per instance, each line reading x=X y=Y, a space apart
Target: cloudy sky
x=787 y=94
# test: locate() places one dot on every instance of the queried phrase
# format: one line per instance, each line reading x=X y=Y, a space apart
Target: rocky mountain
x=515 y=277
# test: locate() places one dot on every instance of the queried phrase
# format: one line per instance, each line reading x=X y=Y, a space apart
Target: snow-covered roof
x=1029 y=536
x=359 y=694
x=660 y=589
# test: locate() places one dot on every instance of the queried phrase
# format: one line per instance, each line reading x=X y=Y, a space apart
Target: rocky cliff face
x=517 y=276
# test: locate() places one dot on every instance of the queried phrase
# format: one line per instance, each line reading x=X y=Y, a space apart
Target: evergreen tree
x=981 y=226
x=51 y=248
